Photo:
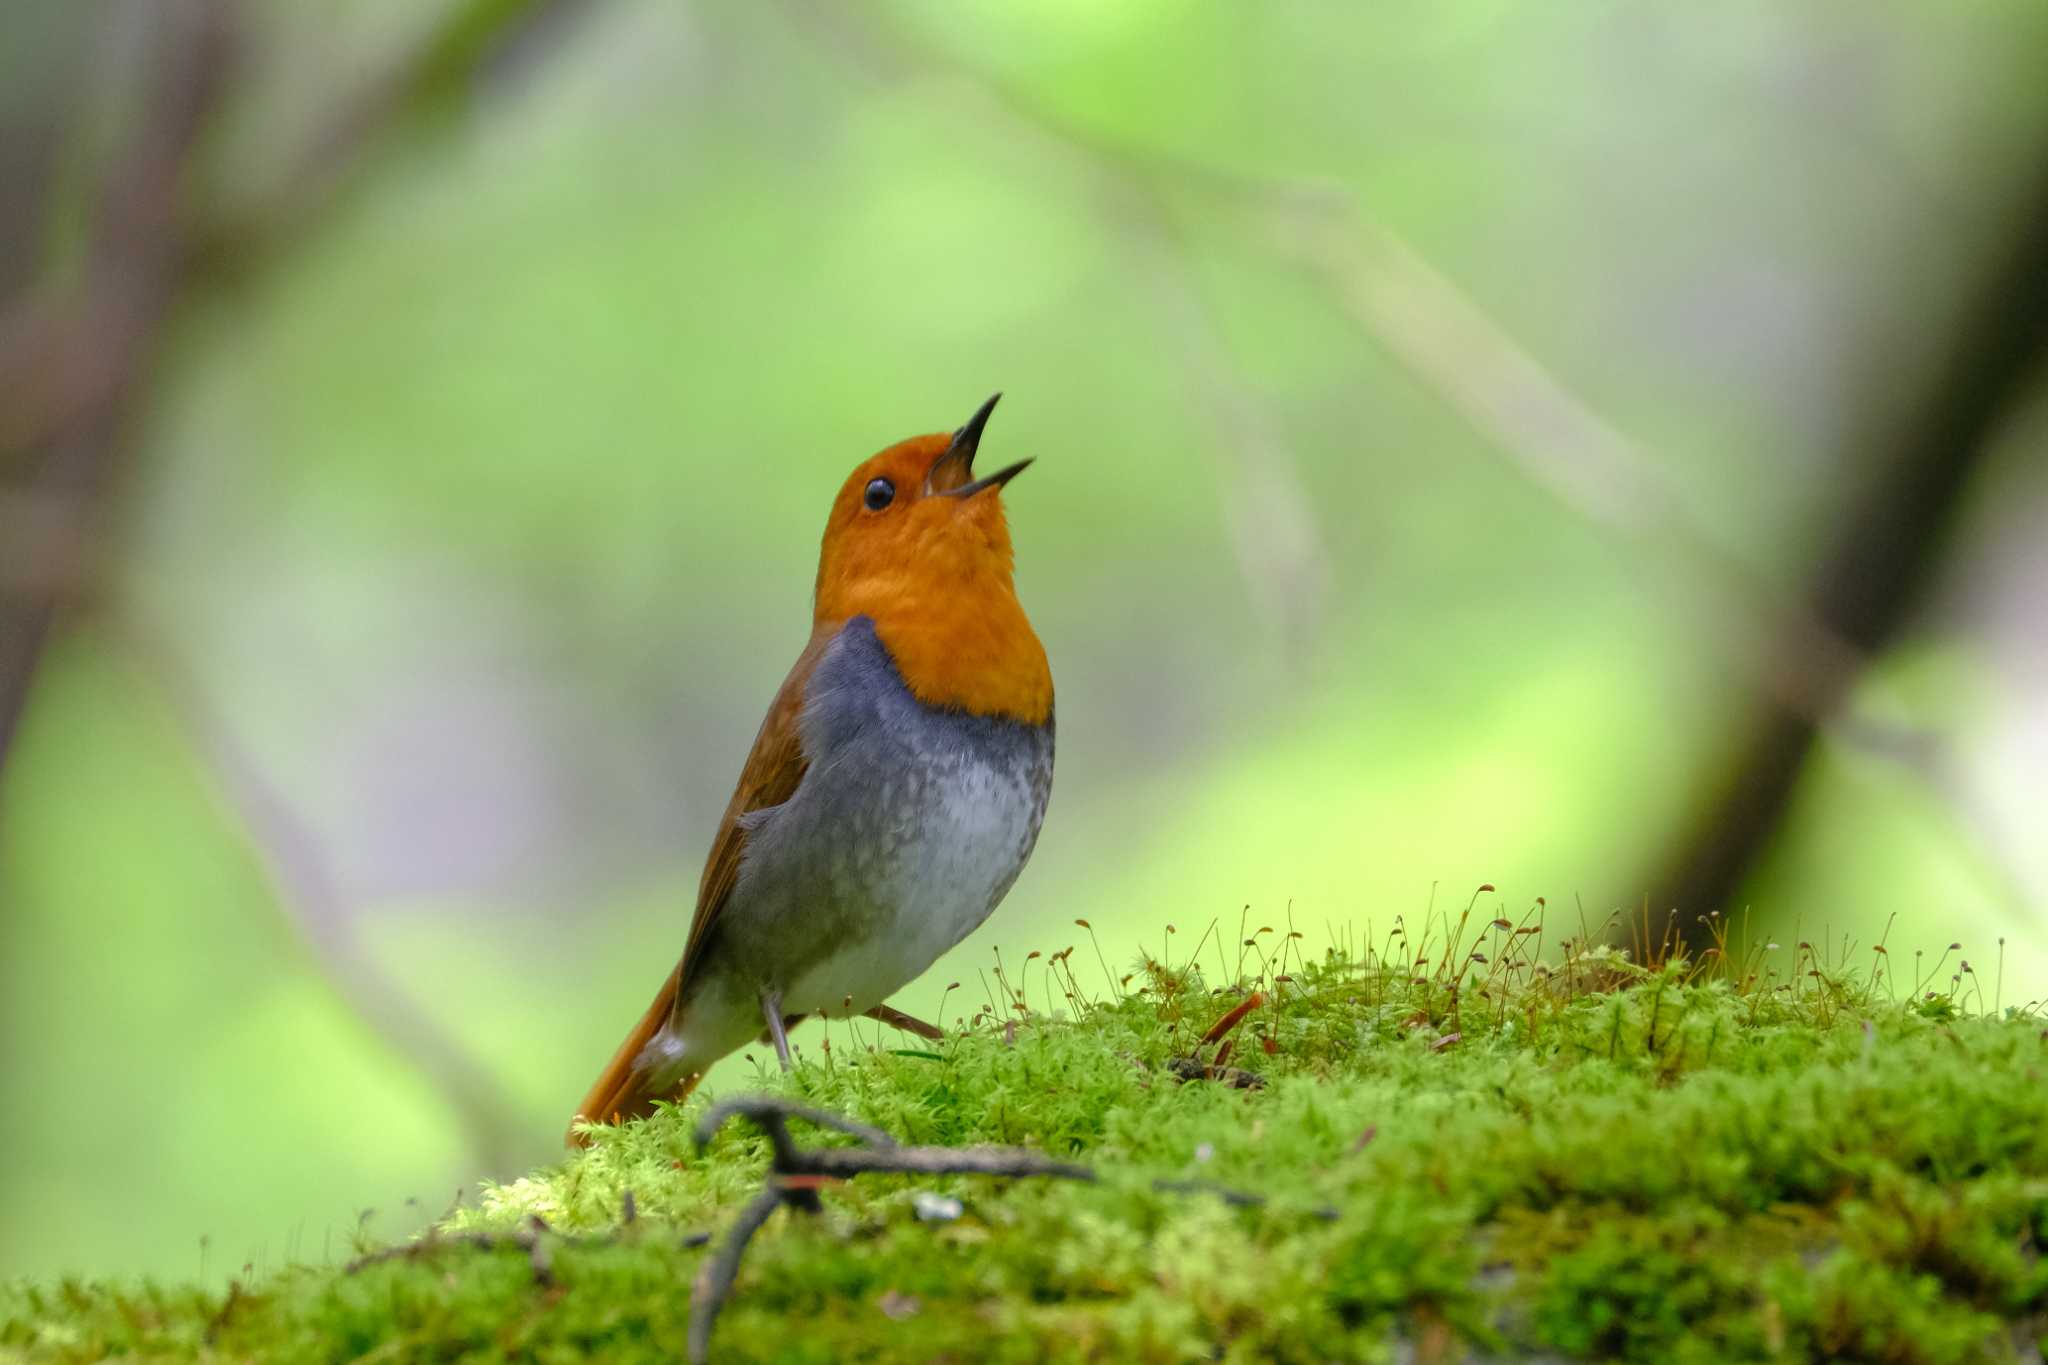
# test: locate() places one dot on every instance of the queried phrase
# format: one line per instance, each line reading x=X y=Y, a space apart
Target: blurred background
x=1594 y=450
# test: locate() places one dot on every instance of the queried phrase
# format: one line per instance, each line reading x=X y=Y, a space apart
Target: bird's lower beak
x=995 y=480
x=952 y=474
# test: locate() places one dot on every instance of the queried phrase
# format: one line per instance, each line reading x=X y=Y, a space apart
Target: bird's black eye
x=879 y=495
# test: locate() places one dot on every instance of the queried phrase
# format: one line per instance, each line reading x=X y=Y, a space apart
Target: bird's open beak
x=952 y=474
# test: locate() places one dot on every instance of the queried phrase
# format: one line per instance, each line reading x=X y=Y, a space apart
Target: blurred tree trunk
x=73 y=362
x=1885 y=550
x=76 y=362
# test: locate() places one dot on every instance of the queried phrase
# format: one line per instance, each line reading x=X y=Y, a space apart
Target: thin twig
x=533 y=1236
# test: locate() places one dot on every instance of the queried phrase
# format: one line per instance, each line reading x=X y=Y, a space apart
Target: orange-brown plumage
x=937 y=581
x=935 y=577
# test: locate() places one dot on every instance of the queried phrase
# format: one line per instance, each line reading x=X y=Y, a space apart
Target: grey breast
x=911 y=820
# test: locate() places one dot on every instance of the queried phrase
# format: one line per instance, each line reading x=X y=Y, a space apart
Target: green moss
x=1589 y=1160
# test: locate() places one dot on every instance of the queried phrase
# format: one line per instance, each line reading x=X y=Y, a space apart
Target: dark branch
x=770 y=1115
x=793 y=1168
x=715 y=1280
x=790 y=1183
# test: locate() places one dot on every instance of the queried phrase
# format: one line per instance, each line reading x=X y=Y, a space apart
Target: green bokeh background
x=484 y=520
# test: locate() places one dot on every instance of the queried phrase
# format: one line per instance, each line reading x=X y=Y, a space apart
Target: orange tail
x=621 y=1092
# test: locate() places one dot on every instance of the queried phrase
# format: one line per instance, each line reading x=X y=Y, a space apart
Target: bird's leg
x=771 y=1009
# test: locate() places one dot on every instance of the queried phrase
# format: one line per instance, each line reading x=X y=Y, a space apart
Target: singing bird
x=895 y=789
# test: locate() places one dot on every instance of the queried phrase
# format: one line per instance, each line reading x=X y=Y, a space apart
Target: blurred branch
x=1808 y=650
x=1273 y=532
x=422 y=85
x=1563 y=446
x=306 y=891
x=1803 y=650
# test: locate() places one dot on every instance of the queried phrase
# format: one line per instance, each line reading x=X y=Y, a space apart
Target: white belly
x=956 y=852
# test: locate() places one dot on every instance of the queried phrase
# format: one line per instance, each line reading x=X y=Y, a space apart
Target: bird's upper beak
x=952 y=474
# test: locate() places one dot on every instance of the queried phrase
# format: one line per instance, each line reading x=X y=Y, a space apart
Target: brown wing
x=769 y=778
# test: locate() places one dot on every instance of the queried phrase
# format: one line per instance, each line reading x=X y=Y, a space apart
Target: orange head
x=918 y=543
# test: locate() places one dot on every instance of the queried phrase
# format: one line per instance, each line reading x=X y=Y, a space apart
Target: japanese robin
x=893 y=793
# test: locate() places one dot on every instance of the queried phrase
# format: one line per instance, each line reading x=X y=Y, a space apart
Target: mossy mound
x=1457 y=1155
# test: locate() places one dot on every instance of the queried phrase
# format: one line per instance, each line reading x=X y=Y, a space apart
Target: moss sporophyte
x=1428 y=1144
